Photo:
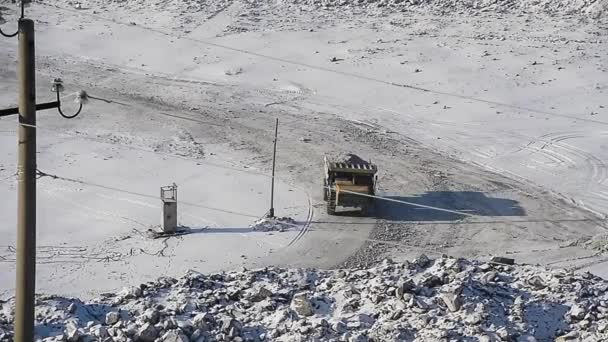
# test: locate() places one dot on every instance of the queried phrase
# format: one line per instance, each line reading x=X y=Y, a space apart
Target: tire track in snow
x=306 y=226
x=562 y=153
x=560 y=159
x=569 y=155
x=566 y=154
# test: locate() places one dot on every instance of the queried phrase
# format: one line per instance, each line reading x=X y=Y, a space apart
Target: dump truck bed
x=349 y=183
x=340 y=166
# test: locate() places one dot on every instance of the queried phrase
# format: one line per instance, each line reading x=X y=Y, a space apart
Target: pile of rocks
x=268 y=224
x=427 y=300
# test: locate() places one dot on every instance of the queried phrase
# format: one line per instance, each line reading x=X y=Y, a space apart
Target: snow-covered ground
x=497 y=90
x=517 y=94
x=98 y=195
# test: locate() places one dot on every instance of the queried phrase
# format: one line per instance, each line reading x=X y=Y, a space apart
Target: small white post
x=168 y=195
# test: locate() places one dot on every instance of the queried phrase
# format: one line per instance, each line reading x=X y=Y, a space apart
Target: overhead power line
x=110 y=188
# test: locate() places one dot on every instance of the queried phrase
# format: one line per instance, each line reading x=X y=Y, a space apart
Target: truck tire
x=331 y=203
x=325 y=190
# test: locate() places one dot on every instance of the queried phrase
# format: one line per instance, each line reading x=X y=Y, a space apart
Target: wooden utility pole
x=25 y=285
x=274 y=156
x=26 y=173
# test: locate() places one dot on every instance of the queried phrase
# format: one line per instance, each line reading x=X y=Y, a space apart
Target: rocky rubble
x=425 y=300
x=274 y=224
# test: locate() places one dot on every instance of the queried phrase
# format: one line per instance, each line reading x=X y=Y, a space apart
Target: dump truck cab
x=349 y=184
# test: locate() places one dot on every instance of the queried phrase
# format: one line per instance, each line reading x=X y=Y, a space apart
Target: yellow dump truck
x=349 y=183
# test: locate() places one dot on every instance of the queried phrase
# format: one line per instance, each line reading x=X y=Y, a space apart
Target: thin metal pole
x=26 y=201
x=274 y=157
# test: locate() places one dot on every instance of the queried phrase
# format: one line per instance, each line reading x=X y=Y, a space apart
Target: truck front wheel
x=331 y=203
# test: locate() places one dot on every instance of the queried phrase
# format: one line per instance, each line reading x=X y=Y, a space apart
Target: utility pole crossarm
x=41 y=106
x=81 y=97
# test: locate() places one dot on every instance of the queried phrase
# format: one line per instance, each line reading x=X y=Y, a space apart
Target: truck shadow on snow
x=443 y=206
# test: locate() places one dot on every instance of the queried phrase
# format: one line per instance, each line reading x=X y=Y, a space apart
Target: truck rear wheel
x=325 y=190
x=331 y=203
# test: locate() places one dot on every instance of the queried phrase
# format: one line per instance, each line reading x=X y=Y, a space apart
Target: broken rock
x=200 y=321
x=262 y=294
x=537 y=282
x=151 y=315
x=174 y=336
x=147 y=333
x=430 y=280
x=339 y=327
x=301 y=304
x=100 y=331
x=451 y=298
x=423 y=261
x=72 y=332
x=112 y=317
x=130 y=292
x=489 y=277
x=231 y=326
x=571 y=336
x=404 y=287
x=577 y=312
x=452 y=301
x=504 y=261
